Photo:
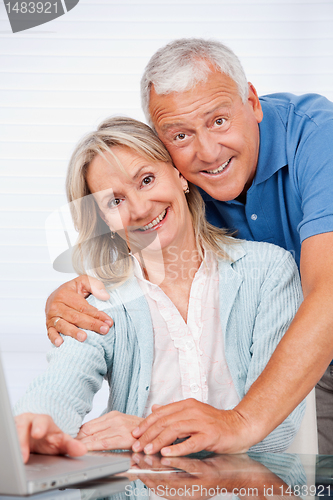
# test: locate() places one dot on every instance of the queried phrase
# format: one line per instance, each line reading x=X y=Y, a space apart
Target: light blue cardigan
x=260 y=293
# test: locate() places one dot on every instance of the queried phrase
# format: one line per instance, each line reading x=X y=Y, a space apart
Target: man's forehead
x=218 y=91
x=167 y=114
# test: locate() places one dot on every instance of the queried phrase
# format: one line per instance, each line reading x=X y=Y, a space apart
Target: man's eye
x=180 y=137
x=147 y=180
x=219 y=121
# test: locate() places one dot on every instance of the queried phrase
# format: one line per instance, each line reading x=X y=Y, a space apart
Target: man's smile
x=219 y=169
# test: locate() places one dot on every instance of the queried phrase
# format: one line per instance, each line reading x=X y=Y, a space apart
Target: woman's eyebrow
x=107 y=195
x=111 y=192
x=138 y=172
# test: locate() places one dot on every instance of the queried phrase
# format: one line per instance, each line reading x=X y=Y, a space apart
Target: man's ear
x=254 y=102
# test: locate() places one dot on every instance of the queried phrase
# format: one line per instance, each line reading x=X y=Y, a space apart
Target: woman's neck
x=173 y=269
x=174 y=265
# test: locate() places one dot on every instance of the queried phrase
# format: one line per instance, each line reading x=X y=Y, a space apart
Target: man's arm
x=306 y=349
x=67 y=310
x=297 y=364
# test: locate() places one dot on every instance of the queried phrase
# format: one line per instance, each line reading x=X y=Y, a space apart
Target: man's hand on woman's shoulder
x=67 y=310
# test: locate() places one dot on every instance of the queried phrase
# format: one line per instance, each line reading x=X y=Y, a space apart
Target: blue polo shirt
x=291 y=197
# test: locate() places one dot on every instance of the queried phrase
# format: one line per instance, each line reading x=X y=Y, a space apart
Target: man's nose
x=208 y=148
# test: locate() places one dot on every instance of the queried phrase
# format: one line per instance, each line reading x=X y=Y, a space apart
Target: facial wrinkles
x=139 y=210
x=110 y=177
x=184 y=108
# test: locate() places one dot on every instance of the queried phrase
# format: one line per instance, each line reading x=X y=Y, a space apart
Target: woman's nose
x=208 y=148
x=139 y=207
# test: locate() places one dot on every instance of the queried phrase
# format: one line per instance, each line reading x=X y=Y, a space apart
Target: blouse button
x=194 y=387
x=254 y=216
x=189 y=345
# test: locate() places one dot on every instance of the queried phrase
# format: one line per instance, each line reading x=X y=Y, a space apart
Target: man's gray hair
x=182 y=64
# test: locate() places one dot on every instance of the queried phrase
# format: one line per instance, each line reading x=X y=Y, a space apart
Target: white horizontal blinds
x=59 y=80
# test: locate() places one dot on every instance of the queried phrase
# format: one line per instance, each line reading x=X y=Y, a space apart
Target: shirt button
x=189 y=345
x=254 y=216
x=194 y=387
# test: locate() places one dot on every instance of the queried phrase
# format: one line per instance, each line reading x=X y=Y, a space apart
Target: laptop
x=45 y=472
x=92 y=490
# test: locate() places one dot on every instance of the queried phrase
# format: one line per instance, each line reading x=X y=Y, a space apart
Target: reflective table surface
x=202 y=476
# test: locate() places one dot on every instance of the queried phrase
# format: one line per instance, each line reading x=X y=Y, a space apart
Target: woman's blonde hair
x=99 y=252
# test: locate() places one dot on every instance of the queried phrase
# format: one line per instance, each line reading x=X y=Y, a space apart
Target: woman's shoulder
x=115 y=292
x=256 y=253
x=126 y=298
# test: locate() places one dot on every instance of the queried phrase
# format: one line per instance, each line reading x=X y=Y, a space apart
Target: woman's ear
x=183 y=181
x=102 y=216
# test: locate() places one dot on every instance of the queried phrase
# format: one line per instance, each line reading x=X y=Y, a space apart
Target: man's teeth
x=219 y=169
x=154 y=222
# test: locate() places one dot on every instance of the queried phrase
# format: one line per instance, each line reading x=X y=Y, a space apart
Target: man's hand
x=67 y=310
x=217 y=473
x=111 y=431
x=205 y=427
x=39 y=434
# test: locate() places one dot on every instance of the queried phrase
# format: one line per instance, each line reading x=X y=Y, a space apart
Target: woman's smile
x=139 y=197
x=156 y=223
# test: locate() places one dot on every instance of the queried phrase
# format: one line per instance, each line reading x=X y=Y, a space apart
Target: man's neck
x=242 y=198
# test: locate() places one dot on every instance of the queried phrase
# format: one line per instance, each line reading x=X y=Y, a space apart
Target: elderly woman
x=196 y=313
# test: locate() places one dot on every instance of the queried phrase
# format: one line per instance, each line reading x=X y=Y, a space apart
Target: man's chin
x=221 y=193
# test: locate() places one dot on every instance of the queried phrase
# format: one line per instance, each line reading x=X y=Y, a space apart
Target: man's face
x=212 y=136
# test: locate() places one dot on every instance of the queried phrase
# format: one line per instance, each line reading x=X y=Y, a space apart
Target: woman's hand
x=39 y=434
x=111 y=431
x=67 y=310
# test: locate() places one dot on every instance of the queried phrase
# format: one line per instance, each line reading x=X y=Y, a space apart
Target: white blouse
x=189 y=359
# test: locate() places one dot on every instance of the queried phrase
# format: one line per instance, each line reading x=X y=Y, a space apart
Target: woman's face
x=144 y=203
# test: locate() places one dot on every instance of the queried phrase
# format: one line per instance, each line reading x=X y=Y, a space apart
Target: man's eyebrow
x=168 y=126
x=221 y=107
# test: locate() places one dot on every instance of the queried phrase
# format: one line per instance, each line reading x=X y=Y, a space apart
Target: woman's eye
x=219 y=121
x=147 y=180
x=114 y=203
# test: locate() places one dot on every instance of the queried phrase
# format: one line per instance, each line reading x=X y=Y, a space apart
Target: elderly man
x=265 y=169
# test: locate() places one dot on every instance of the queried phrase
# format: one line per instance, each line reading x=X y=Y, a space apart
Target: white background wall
x=59 y=80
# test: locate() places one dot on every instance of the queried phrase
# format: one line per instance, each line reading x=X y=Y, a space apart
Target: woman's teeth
x=154 y=222
x=219 y=169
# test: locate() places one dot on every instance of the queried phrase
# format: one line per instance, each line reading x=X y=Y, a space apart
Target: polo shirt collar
x=272 y=147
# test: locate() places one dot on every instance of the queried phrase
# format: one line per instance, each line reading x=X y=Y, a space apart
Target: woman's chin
x=137 y=241
x=152 y=243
